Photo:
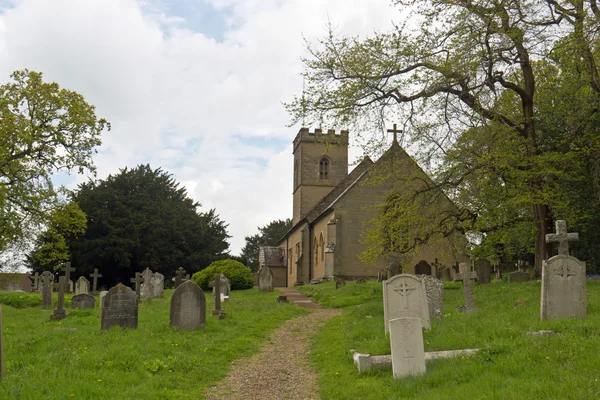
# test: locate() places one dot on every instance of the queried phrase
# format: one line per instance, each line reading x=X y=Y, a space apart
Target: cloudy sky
x=193 y=86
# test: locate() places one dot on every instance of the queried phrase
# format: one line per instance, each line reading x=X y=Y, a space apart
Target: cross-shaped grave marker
x=466 y=275
x=180 y=277
x=217 y=285
x=436 y=268
x=60 y=311
x=67 y=270
x=138 y=280
x=95 y=277
x=562 y=237
x=404 y=290
x=36 y=281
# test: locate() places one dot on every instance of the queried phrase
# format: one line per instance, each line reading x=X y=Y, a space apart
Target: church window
x=324 y=168
x=297 y=251
x=316 y=250
x=290 y=261
x=322 y=243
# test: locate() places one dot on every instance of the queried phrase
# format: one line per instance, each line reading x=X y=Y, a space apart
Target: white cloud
x=183 y=101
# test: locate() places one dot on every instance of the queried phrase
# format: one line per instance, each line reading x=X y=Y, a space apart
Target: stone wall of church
x=318 y=229
x=297 y=255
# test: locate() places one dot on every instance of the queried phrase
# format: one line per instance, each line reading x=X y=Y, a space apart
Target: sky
x=195 y=87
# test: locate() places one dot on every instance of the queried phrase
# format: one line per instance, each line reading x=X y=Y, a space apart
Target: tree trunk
x=543 y=225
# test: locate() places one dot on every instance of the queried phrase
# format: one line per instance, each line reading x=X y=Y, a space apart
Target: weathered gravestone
x=188 y=307
x=95 y=277
x=265 y=279
x=67 y=270
x=395 y=268
x=405 y=295
x=137 y=281
x=444 y=274
x=46 y=285
x=60 y=312
x=225 y=287
x=83 y=301
x=563 y=280
x=180 y=277
x=483 y=269
x=436 y=265
x=422 y=268
x=435 y=295
x=216 y=285
x=518 y=276
x=120 y=308
x=82 y=286
x=102 y=295
x=408 y=351
x=158 y=284
x=383 y=275
x=466 y=275
x=36 y=282
x=457 y=273
x=147 y=289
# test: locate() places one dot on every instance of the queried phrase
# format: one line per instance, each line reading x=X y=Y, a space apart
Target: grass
x=73 y=358
x=511 y=364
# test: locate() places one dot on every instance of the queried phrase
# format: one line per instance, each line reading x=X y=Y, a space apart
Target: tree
x=465 y=83
x=67 y=223
x=268 y=235
x=43 y=129
x=141 y=218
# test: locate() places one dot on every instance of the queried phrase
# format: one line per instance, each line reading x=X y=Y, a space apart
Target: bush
x=238 y=274
x=20 y=299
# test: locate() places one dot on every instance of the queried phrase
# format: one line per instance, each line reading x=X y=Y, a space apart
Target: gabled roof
x=271 y=256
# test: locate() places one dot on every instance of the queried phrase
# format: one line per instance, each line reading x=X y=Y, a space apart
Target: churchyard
x=75 y=358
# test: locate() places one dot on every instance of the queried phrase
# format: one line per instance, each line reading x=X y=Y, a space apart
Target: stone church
x=331 y=208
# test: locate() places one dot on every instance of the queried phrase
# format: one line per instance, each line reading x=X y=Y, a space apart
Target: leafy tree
x=466 y=81
x=238 y=274
x=268 y=235
x=43 y=129
x=142 y=218
x=67 y=223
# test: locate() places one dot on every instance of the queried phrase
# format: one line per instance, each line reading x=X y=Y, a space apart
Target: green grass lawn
x=74 y=359
x=511 y=364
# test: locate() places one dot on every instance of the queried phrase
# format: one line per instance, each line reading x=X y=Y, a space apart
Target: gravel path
x=280 y=370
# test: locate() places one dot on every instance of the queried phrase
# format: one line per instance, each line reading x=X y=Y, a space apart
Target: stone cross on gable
x=562 y=237
x=95 y=277
x=217 y=285
x=404 y=290
x=138 y=280
x=395 y=131
x=67 y=270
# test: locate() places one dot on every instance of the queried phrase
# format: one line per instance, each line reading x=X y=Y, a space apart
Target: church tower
x=320 y=164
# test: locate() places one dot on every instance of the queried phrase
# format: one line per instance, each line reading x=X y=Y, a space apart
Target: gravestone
x=422 y=268
x=225 y=288
x=383 y=275
x=67 y=270
x=95 y=277
x=158 y=284
x=188 y=307
x=71 y=287
x=436 y=268
x=408 y=351
x=458 y=275
x=60 y=312
x=137 y=281
x=444 y=274
x=180 y=277
x=395 y=268
x=82 y=286
x=36 y=282
x=46 y=285
x=120 y=308
x=435 y=295
x=483 y=269
x=216 y=285
x=83 y=301
x=518 y=276
x=563 y=280
x=147 y=289
x=102 y=295
x=339 y=283
x=405 y=295
x=265 y=279
x=466 y=274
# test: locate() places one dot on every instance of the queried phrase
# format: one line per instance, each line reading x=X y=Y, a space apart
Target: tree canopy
x=500 y=97
x=43 y=129
x=141 y=218
x=268 y=235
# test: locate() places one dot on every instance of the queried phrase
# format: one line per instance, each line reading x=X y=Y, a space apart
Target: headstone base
x=58 y=315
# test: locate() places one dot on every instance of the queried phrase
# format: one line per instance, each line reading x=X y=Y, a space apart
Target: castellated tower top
x=326 y=138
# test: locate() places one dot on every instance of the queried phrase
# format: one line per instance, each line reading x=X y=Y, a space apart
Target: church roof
x=271 y=256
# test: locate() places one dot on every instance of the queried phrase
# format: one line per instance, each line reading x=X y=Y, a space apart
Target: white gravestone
x=563 y=288
x=404 y=295
x=408 y=351
x=82 y=286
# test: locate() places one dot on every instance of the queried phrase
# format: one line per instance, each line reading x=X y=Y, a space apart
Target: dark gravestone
x=188 y=307
x=95 y=277
x=444 y=274
x=60 y=312
x=46 y=285
x=422 y=268
x=83 y=301
x=120 y=308
x=395 y=268
x=216 y=285
x=483 y=268
x=518 y=276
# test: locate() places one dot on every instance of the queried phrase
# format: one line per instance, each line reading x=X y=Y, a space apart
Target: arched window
x=324 y=168
x=316 y=250
x=322 y=243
